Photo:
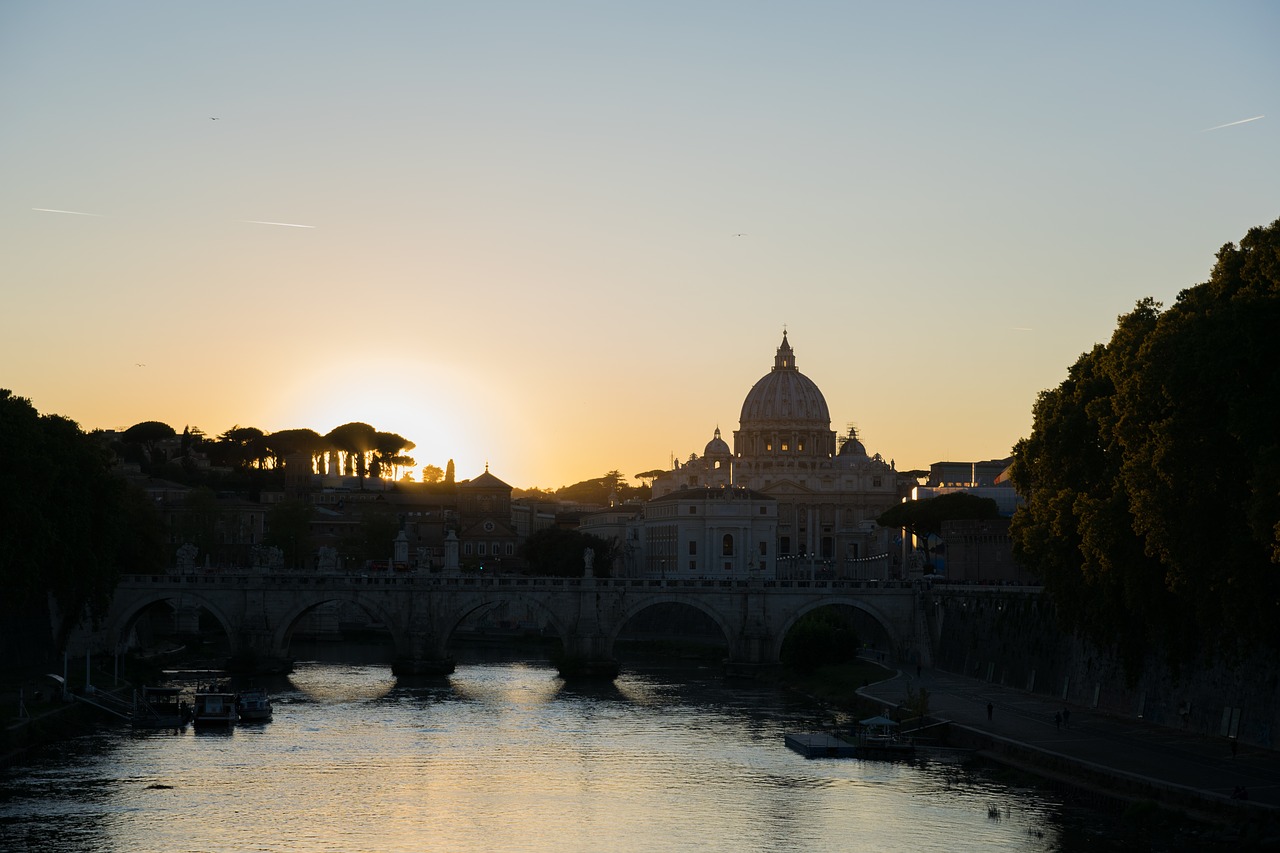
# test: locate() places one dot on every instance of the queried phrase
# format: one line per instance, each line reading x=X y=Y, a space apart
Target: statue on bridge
x=588 y=561
x=327 y=560
x=187 y=558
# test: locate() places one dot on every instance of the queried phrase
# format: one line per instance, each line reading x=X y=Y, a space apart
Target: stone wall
x=1012 y=638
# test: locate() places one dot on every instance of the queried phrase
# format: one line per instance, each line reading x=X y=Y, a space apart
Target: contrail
x=1232 y=123
x=286 y=224
x=72 y=212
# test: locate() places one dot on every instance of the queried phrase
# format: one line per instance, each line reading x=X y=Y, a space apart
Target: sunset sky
x=564 y=238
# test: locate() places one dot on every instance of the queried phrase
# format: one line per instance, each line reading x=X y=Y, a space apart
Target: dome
x=784 y=394
x=717 y=446
x=852 y=446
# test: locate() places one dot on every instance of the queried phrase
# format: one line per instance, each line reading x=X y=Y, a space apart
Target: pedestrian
x=1057 y=719
x=990 y=708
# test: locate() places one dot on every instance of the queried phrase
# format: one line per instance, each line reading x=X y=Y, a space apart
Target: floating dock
x=821 y=746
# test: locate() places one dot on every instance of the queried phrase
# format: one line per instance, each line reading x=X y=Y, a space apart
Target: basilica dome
x=785 y=395
x=717 y=446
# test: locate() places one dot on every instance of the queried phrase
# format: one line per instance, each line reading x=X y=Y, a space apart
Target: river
x=505 y=756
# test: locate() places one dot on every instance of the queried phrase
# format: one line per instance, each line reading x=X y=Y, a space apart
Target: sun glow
x=423 y=402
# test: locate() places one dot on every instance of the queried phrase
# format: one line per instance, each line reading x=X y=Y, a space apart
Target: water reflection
x=506 y=755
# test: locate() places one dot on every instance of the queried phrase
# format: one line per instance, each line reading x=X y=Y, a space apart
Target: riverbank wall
x=1013 y=640
x=1100 y=784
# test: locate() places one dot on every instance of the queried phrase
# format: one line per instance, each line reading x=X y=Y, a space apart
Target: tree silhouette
x=1152 y=512
x=357 y=442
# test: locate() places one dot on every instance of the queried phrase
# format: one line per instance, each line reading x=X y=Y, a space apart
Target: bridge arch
x=808 y=607
x=125 y=614
x=484 y=597
x=647 y=602
x=282 y=633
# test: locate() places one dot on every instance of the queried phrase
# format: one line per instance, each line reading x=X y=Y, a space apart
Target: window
x=726 y=545
x=786 y=446
x=693 y=547
x=480 y=549
x=764 y=549
x=784 y=545
x=875 y=481
x=693 y=510
x=693 y=565
x=764 y=510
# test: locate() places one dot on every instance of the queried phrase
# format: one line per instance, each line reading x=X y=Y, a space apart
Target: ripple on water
x=505 y=756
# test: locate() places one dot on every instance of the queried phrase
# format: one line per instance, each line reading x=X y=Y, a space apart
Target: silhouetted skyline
x=565 y=239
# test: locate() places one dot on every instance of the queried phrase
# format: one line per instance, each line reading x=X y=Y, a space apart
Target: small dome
x=717 y=446
x=851 y=446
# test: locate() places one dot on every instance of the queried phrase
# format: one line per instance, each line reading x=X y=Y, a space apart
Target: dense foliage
x=825 y=637
x=558 y=552
x=924 y=517
x=70 y=525
x=1152 y=474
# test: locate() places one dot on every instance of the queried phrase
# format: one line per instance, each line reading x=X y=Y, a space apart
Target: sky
x=562 y=239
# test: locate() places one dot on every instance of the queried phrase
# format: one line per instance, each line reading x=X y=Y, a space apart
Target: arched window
x=726 y=547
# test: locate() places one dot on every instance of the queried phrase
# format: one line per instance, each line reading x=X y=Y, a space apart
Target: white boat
x=214 y=709
x=253 y=705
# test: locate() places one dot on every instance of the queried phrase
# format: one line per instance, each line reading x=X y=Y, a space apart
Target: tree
x=375 y=537
x=201 y=519
x=289 y=529
x=432 y=474
x=1152 y=475
x=449 y=474
x=70 y=525
x=240 y=448
x=148 y=435
x=356 y=441
x=288 y=442
x=923 y=518
x=389 y=452
x=821 y=638
x=557 y=552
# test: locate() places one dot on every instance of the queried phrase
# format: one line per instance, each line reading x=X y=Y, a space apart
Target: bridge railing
x=419 y=580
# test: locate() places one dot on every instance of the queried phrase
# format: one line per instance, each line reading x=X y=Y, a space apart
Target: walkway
x=1173 y=763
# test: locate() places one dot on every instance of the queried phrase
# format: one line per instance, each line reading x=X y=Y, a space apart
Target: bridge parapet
x=421 y=611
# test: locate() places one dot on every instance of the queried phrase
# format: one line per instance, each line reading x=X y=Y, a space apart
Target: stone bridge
x=260 y=612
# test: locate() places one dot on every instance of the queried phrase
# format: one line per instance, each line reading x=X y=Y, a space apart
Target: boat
x=878 y=737
x=159 y=708
x=253 y=705
x=214 y=708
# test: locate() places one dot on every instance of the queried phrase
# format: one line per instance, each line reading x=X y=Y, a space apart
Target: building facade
x=828 y=491
x=723 y=532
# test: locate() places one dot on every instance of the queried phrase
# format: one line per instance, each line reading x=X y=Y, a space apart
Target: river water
x=505 y=756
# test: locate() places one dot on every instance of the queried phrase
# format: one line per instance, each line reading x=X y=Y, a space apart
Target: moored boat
x=214 y=708
x=159 y=708
x=253 y=705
